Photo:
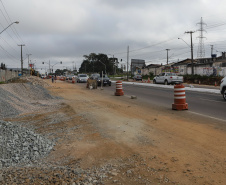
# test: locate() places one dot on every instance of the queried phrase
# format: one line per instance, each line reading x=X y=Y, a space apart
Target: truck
x=168 y=78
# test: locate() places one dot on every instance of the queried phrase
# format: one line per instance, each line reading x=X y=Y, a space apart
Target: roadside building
x=136 y=66
x=151 y=68
x=213 y=65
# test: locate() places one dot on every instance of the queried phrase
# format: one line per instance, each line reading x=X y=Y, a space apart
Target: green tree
x=95 y=63
x=3 y=66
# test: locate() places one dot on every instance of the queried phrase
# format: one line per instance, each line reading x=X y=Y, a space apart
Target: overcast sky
x=65 y=30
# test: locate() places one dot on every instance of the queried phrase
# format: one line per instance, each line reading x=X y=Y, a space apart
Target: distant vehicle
x=168 y=78
x=43 y=76
x=223 y=87
x=106 y=80
x=69 y=77
x=82 y=78
x=94 y=76
x=137 y=77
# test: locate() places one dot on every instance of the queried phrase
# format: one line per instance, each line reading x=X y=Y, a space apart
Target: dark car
x=106 y=80
x=137 y=77
x=94 y=76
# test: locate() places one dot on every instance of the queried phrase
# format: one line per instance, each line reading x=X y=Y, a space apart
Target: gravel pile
x=19 y=145
x=55 y=175
x=35 y=81
x=20 y=98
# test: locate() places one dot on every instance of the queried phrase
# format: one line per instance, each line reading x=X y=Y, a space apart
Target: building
x=152 y=68
x=214 y=65
x=136 y=66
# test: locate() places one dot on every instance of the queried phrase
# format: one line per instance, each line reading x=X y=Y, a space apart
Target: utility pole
x=28 y=67
x=192 y=63
x=127 y=62
x=28 y=59
x=113 y=66
x=211 y=50
x=49 y=67
x=167 y=56
x=21 y=45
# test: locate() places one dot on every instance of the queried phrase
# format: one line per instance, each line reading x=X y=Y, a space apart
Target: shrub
x=207 y=80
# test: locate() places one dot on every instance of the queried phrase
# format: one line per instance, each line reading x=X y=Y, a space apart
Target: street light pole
x=167 y=56
x=21 y=58
x=128 y=62
x=104 y=66
x=9 y=26
x=192 y=63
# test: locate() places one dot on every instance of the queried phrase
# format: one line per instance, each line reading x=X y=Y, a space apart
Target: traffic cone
x=119 y=91
x=149 y=80
x=179 y=98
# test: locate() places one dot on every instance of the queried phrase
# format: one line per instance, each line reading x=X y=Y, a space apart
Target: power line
x=12 y=28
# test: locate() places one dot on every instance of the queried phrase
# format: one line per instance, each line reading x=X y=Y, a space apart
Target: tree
x=3 y=66
x=95 y=63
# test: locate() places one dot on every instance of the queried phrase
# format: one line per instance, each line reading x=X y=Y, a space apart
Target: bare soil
x=145 y=144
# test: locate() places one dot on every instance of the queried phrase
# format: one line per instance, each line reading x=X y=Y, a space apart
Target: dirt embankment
x=117 y=140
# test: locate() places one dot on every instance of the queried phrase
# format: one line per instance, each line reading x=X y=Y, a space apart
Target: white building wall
x=6 y=75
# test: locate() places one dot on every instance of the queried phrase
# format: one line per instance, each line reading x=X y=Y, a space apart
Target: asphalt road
x=210 y=105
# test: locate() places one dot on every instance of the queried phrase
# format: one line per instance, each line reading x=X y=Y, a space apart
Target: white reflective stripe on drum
x=180 y=97
x=118 y=88
x=179 y=93
x=179 y=89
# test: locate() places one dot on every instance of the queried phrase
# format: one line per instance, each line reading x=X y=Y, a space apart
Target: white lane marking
x=212 y=100
x=208 y=116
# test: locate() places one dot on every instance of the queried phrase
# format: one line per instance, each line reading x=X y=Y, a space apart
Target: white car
x=82 y=78
x=168 y=78
x=223 y=87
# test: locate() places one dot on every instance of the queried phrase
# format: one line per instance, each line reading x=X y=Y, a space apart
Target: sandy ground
x=145 y=143
x=155 y=144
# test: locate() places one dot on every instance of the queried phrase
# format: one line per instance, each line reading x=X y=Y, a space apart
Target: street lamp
x=52 y=65
x=104 y=65
x=9 y=26
x=56 y=64
x=192 y=65
x=113 y=64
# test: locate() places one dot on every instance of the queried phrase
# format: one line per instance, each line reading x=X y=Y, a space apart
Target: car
x=69 y=77
x=43 y=76
x=82 y=78
x=168 y=78
x=94 y=76
x=106 y=80
x=137 y=77
x=223 y=87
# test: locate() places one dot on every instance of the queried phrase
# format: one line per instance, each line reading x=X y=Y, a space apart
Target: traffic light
x=61 y=62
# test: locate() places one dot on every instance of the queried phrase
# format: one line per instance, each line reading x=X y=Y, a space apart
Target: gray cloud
x=66 y=30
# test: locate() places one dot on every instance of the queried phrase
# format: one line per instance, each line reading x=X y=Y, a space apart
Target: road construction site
x=65 y=133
